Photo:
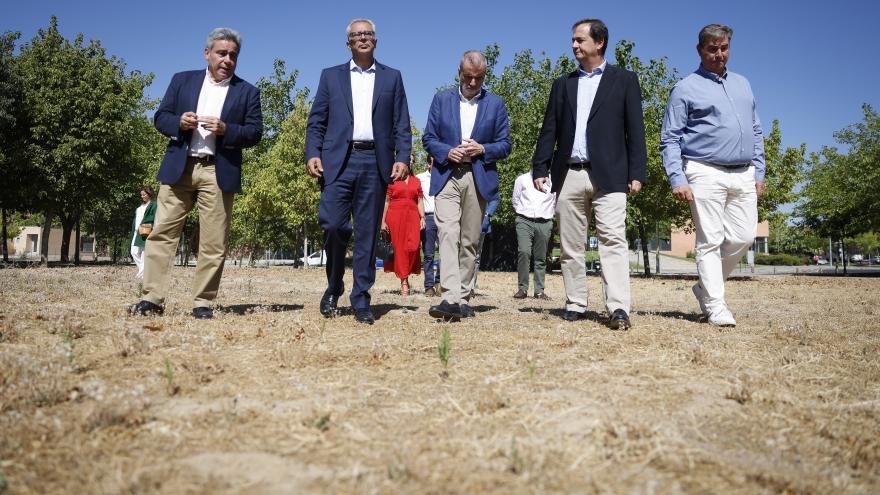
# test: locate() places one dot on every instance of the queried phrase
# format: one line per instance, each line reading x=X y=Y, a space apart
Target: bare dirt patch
x=269 y=397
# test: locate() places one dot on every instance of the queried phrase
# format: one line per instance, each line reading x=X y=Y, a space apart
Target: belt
x=539 y=220
x=363 y=145
x=201 y=158
x=579 y=166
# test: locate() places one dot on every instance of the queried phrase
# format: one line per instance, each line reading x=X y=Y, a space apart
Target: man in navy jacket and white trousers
x=209 y=116
x=467 y=132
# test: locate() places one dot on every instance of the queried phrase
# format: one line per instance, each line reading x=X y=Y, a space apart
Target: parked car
x=875 y=260
x=318 y=258
x=856 y=258
x=821 y=261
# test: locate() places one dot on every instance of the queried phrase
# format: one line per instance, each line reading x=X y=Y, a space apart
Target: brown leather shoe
x=430 y=292
x=542 y=296
x=520 y=294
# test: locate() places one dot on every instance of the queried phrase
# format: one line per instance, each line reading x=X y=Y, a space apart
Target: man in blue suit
x=466 y=133
x=358 y=140
x=210 y=116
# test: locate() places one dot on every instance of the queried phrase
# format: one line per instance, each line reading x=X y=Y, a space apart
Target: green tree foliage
x=839 y=197
x=867 y=242
x=793 y=239
x=784 y=172
x=11 y=142
x=82 y=113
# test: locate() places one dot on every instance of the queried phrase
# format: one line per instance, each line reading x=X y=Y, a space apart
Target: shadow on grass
x=243 y=309
x=676 y=315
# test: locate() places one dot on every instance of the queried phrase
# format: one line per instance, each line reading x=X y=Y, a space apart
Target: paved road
x=676 y=266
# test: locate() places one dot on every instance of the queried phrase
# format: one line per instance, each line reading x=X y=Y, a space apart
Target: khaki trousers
x=197 y=185
x=458 y=212
x=573 y=206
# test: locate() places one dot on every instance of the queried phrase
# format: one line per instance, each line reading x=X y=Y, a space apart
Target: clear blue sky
x=812 y=65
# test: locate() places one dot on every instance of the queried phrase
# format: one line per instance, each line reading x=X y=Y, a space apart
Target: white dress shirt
x=529 y=201
x=425 y=179
x=211 y=99
x=468 y=116
x=362 y=82
x=588 y=84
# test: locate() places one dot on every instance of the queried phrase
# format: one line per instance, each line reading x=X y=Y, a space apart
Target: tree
x=868 y=242
x=11 y=142
x=839 y=197
x=81 y=107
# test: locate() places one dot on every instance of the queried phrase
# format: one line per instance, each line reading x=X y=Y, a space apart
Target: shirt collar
x=356 y=68
x=211 y=80
x=476 y=97
x=711 y=75
x=596 y=72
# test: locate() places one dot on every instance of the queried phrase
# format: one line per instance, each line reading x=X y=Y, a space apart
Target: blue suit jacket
x=331 y=121
x=242 y=114
x=443 y=132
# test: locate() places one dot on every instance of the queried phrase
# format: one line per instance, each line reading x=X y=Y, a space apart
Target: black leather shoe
x=572 y=316
x=619 y=320
x=446 y=311
x=466 y=311
x=364 y=316
x=328 y=304
x=202 y=313
x=145 y=308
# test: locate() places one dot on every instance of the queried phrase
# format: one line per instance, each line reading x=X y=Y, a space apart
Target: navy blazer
x=443 y=132
x=331 y=121
x=615 y=131
x=242 y=114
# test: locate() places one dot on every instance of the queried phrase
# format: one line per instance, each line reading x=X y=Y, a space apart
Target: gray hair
x=223 y=34
x=714 y=32
x=354 y=21
x=473 y=57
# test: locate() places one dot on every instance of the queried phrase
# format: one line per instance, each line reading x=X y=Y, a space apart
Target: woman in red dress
x=404 y=217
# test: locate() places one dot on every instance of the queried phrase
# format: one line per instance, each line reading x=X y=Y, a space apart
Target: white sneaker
x=722 y=318
x=701 y=298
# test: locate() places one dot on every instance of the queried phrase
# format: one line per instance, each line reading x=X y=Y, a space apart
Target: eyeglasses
x=362 y=34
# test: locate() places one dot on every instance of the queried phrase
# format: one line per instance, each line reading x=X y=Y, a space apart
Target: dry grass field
x=269 y=397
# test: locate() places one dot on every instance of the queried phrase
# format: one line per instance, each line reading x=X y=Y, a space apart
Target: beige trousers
x=458 y=212
x=197 y=185
x=573 y=207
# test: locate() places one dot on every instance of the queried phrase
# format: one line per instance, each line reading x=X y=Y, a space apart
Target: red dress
x=403 y=221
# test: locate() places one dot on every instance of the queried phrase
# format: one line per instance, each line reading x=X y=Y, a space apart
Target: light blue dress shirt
x=588 y=85
x=712 y=119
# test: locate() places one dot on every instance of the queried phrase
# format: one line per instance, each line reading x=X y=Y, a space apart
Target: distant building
x=681 y=242
x=27 y=244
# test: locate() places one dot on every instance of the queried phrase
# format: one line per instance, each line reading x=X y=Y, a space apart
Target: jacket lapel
x=378 y=83
x=345 y=84
x=231 y=96
x=456 y=115
x=571 y=90
x=193 y=88
x=481 y=112
x=605 y=85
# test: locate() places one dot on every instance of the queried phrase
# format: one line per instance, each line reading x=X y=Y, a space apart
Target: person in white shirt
x=144 y=214
x=429 y=234
x=534 y=226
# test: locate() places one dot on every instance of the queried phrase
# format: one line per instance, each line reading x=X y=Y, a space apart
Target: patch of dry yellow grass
x=269 y=397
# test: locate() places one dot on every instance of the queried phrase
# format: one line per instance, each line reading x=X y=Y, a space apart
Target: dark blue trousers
x=429 y=247
x=353 y=203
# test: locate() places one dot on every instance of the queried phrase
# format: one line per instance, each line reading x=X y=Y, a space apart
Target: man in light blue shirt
x=713 y=151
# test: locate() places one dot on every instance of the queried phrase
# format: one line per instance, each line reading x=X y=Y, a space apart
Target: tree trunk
x=78 y=242
x=44 y=238
x=115 y=250
x=5 y=248
x=67 y=223
x=843 y=251
x=643 y=235
x=305 y=245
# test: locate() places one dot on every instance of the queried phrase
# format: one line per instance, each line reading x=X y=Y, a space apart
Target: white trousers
x=137 y=254
x=574 y=203
x=725 y=213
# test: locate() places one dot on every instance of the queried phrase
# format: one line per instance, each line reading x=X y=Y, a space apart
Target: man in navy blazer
x=210 y=116
x=358 y=140
x=593 y=142
x=466 y=133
